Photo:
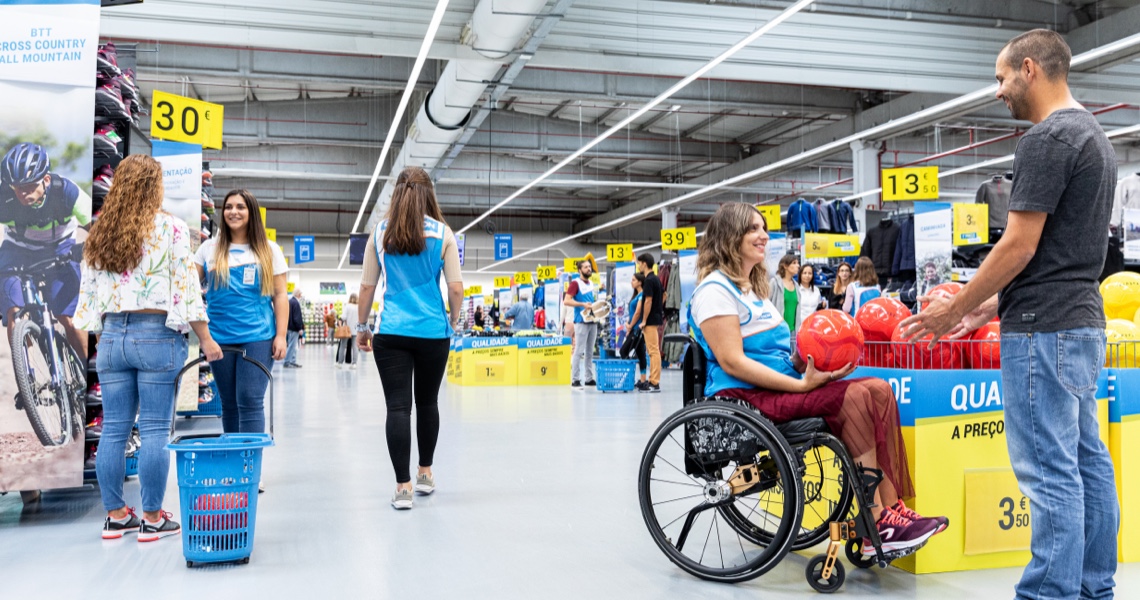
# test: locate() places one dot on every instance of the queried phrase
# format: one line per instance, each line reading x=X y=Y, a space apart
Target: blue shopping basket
x=615 y=375
x=218 y=477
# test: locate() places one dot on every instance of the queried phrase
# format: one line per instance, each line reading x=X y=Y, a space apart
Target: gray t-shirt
x=1066 y=167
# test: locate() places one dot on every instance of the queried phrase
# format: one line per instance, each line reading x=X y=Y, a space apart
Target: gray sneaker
x=425 y=484
x=402 y=500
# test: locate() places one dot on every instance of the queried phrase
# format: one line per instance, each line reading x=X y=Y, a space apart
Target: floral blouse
x=164 y=280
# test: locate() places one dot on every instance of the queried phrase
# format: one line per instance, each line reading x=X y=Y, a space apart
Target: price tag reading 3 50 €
x=682 y=238
x=916 y=183
x=179 y=119
x=616 y=253
x=997 y=514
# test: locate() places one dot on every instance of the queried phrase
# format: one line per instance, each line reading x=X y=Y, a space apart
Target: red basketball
x=943 y=290
x=985 y=347
x=832 y=338
x=918 y=355
x=879 y=317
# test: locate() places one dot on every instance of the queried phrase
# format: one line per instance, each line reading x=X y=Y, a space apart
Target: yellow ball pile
x=1123 y=341
x=1121 y=294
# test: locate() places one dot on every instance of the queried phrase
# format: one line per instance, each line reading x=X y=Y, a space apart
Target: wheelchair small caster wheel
x=854 y=549
x=815 y=575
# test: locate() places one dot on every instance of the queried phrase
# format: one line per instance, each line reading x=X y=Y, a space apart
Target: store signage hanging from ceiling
x=914 y=183
x=502 y=283
x=771 y=214
x=181 y=119
x=548 y=272
x=504 y=246
x=304 y=249
x=461 y=242
x=830 y=245
x=681 y=238
x=616 y=253
x=971 y=224
x=524 y=278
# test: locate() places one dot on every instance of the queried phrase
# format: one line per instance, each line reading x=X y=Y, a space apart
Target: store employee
x=580 y=295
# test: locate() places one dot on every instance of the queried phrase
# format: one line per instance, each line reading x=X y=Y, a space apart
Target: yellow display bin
x=487 y=361
x=1124 y=444
x=543 y=360
x=954 y=430
x=453 y=356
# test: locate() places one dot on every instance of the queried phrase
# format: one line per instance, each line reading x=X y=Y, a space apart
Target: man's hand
x=936 y=320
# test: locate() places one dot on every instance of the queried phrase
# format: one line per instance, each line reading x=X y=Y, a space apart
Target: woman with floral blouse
x=140 y=294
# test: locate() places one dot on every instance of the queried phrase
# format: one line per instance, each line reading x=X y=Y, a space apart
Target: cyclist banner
x=48 y=62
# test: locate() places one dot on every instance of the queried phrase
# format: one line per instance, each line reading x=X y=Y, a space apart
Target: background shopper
x=479 y=316
x=244 y=277
x=863 y=288
x=295 y=331
x=411 y=249
x=344 y=353
x=784 y=292
x=139 y=294
x=634 y=337
x=652 y=318
x=1046 y=266
x=809 y=294
x=521 y=314
x=844 y=275
x=580 y=295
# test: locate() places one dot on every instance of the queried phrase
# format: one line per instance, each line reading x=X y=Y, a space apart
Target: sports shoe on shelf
x=114 y=529
x=101 y=184
x=403 y=499
x=207 y=179
x=95 y=427
x=900 y=533
x=95 y=393
x=207 y=204
x=106 y=143
x=150 y=532
x=425 y=484
x=89 y=462
x=127 y=87
x=107 y=62
x=109 y=102
x=901 y=508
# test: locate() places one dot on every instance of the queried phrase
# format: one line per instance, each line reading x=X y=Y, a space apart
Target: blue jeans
x=292 y=339
x=241 y=386
x=137 y=362
x=1049 y=385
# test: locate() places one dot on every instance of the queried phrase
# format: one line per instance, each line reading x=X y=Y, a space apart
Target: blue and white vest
x=238 y=313
x=863 y=294
x=585 y=294
x=411 y=303
x=766 y=336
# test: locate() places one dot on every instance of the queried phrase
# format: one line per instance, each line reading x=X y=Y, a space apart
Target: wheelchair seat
x=695 y=372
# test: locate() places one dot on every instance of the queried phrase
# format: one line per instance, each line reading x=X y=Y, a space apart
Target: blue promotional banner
x=48 y=52
x=304 y=249
x=504 y=246
x=181 y=182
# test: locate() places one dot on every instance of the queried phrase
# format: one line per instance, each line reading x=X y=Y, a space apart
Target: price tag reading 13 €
x=916 y=183
x=616 y=253
x=682 y=238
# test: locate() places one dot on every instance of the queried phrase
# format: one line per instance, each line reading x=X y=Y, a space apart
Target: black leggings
x=400 y=360
x=639 y=349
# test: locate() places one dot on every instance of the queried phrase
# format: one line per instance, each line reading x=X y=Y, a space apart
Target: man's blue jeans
x=292 y=340
x=138 y=359
x=1049 y=387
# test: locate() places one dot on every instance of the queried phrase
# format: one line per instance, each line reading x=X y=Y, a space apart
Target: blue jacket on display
x=904 y=248
x=844 y=219
x=801 y=214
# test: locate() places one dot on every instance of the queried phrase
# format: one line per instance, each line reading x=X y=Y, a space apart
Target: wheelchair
x=726 y=493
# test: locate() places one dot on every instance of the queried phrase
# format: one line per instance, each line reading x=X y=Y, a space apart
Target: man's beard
x=1017 y=105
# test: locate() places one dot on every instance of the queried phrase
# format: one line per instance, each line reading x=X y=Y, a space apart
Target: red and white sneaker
x=150 y=532
x=897 y=532
x=114 y=529
x=907 y=512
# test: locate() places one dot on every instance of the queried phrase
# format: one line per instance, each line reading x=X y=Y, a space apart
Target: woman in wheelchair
x=750 y=358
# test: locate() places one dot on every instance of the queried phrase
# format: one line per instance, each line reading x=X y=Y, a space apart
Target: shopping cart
x=218 y=475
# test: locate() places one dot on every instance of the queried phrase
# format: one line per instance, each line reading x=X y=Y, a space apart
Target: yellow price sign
x=596 y=279
x=490 y=372
x=261 y=209
x=997 y=514
x=271 y=234
x=502 y=283
x=475 y=290
x=616 y=253
x=523 y=278
x=682 y=238
x=914 y=183
x=570 y=265
x=830 y=245
x=548 y=273
x=545 y=369
x=290 y=287
x=180 y=119
x=771 y=214
x=971 y=224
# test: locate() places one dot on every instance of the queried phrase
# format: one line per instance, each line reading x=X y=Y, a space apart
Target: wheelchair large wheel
x=705 y=458
x=827 y=497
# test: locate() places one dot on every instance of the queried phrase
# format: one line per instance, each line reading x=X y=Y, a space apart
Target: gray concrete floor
x=537 y=499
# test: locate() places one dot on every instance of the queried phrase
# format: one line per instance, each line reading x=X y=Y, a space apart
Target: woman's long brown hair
x=115 y=243
x=258 y=243
x=720 y=248
x=413 y=199
x=865 y=272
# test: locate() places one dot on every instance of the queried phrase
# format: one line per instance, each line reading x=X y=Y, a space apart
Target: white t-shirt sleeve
x=714 y=300
x=201 y=257
x=279 y=265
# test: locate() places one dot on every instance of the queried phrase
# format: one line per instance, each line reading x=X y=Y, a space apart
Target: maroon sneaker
x=905 y=511
x=897 y=532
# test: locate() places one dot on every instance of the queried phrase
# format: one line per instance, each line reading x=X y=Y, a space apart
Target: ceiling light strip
x=398 y=118
x=780 y=18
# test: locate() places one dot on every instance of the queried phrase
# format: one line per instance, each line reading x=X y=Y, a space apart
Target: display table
x=488 y=361
x=1124 y=443
x=954 y=430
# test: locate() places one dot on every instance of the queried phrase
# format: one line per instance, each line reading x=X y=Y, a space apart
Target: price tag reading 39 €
x=547 y=273
x=179 y=119
x=997 y=514
x=682 y=238
x=916 y=183
x=616 y=253
x=523 y=278
x=971 y=224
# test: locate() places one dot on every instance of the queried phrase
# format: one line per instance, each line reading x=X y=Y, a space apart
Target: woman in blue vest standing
x=864 y=288
x=407 y=254
x=244 y=280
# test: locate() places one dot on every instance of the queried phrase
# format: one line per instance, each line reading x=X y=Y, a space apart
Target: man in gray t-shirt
x=1046 y=267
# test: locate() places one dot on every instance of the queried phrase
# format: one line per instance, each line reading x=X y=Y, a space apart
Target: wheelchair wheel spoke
x=679 y=499
x=707 y=537
x=677 y=482
x=681 y=471
x=719 y=545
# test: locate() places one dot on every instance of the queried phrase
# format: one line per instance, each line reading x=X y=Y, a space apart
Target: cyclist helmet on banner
x=25 y=163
